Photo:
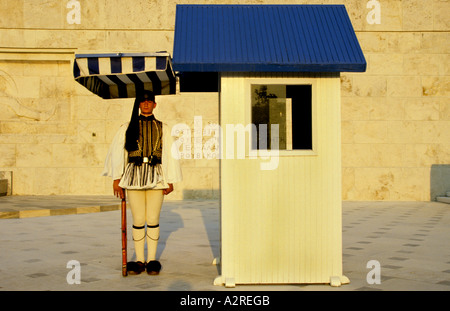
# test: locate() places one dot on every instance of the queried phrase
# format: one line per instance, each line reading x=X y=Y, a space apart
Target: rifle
x=124 y=235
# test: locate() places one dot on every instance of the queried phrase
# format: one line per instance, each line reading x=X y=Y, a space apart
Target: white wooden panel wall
x=283 y=225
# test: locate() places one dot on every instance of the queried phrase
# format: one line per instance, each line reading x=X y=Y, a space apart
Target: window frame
x=282 y=81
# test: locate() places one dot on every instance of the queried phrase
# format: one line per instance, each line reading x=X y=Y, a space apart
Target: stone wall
x=54 y=134
x=395 y=116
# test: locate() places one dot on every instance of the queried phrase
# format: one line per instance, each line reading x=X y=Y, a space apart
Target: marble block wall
x=54 y=134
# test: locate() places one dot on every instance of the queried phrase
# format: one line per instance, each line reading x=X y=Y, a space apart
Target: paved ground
x=40 y=235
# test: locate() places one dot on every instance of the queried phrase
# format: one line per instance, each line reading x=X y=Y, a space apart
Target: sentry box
x=277 y=68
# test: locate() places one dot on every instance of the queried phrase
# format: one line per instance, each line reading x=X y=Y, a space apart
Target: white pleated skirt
x=144 y=176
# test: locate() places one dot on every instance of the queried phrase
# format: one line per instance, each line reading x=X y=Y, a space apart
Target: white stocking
x=152 y=242
x=154 y=200
x=139 y=242
x=145 y=208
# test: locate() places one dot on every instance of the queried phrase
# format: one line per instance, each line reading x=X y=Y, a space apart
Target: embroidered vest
x=149 y=142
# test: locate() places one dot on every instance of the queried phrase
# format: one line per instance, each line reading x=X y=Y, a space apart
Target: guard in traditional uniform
x=142 y=161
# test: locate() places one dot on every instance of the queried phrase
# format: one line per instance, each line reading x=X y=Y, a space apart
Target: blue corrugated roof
x=273 y=38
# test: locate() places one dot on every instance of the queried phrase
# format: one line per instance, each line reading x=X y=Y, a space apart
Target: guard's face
x=147 y=106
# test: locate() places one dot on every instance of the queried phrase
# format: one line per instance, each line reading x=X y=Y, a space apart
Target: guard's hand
x=118 y=191
x=168 y=190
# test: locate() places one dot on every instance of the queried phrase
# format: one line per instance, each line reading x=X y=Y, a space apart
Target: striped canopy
x=123 y=75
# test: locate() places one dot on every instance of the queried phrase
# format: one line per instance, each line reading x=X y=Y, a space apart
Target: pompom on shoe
x=153 y=267
x=135 y=267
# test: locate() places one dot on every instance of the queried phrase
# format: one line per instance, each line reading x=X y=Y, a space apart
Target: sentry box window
x=283 y=116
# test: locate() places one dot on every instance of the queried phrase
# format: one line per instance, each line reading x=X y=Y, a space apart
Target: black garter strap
x=152 y=227
x=136 y=227
x=143 y=227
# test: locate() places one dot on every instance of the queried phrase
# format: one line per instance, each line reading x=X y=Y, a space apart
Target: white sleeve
x=170 y=161
x=116 y=157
